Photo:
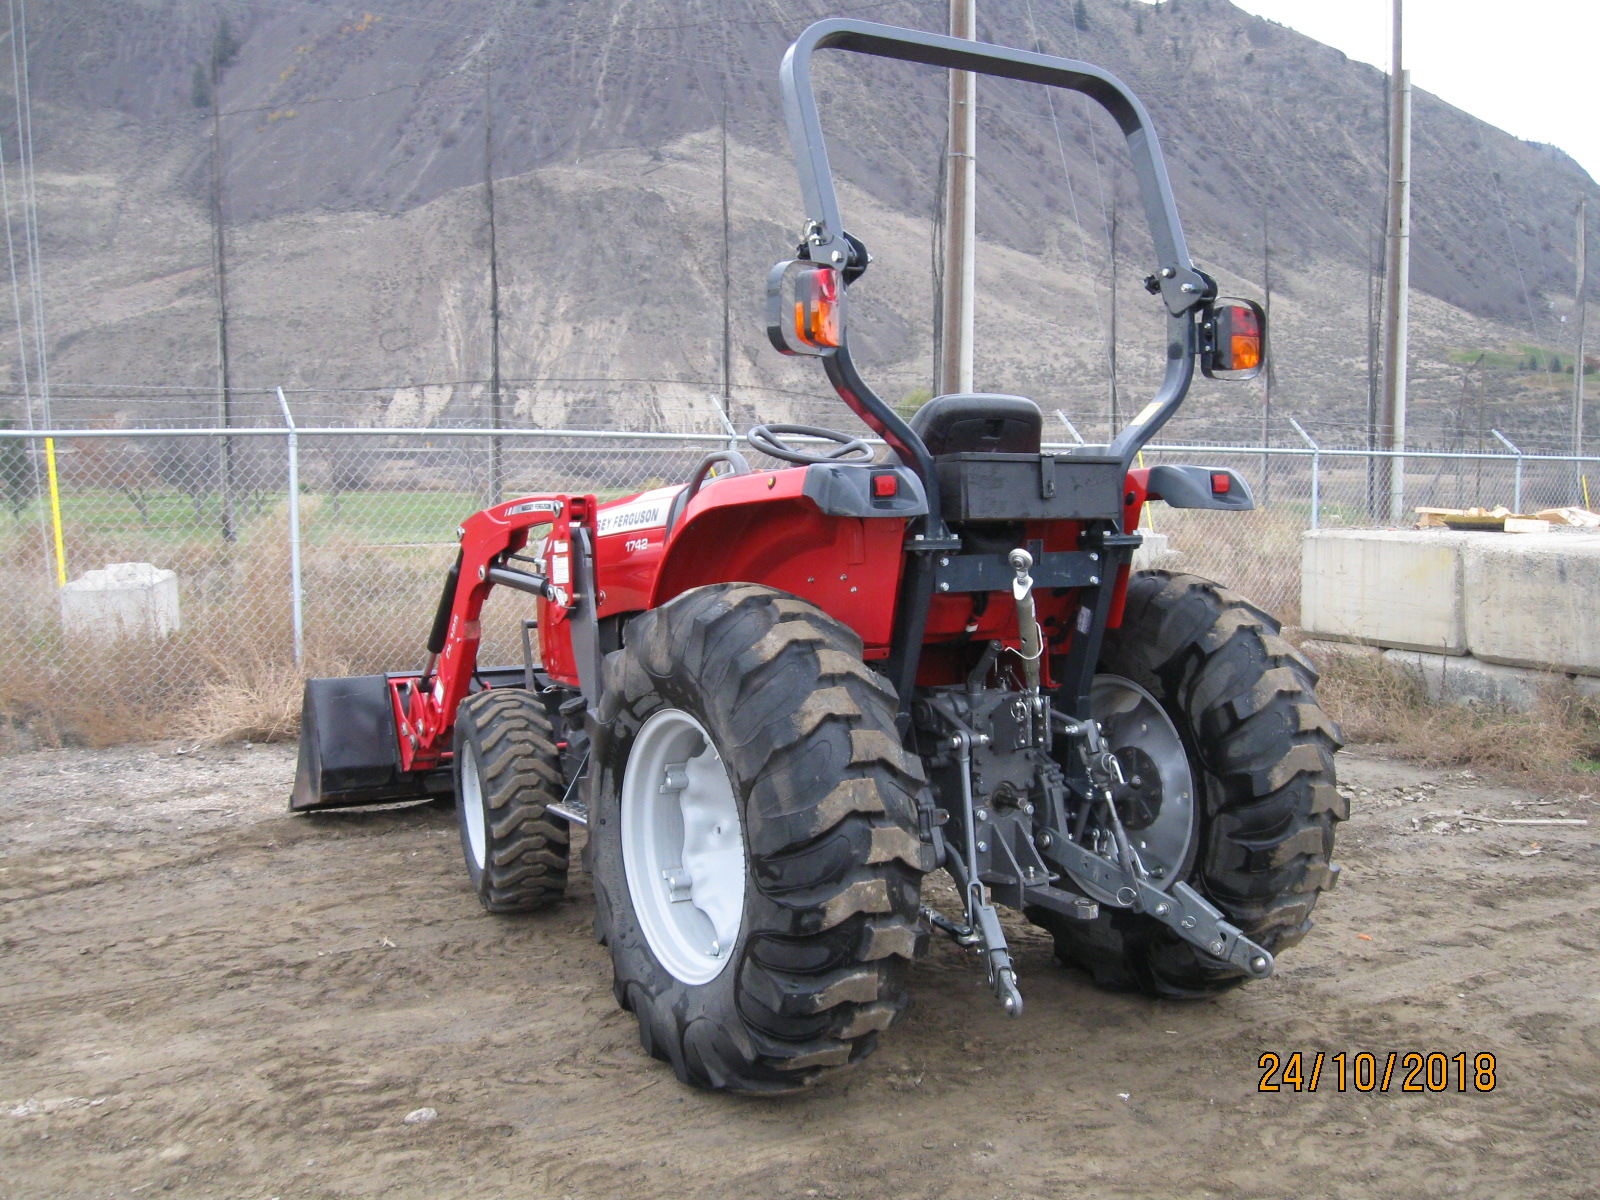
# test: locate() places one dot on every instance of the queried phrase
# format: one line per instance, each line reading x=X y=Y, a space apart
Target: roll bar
x=1182 y=287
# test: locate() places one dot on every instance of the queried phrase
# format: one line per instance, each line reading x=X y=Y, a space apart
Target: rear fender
x=1196 y=487
x=820 y=532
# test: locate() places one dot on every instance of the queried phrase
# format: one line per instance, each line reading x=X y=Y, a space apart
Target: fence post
x=1316 y=472
x=733 y=434
x=1516 y=500
x=1071 y=428
x=292 y=438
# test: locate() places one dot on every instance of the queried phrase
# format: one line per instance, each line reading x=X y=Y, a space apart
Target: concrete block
x=1318 y=650
x=125 y=600
x=1449 y=679
x=1533 y=600
x=1154 y=552
x=1392 y=587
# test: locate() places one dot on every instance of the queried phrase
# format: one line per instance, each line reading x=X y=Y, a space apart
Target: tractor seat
x=979 y=421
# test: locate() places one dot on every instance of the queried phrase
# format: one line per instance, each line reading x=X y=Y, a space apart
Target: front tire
x=1260 y=754
x=507 y=772
x=742 y=735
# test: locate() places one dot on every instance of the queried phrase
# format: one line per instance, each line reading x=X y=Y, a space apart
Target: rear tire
x=745 y=682
x=1261 y=753
x=507 y=772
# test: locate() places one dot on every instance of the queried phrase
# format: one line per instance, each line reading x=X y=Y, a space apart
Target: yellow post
x=55 y=510
x=1586 y=491
x=1149 y=520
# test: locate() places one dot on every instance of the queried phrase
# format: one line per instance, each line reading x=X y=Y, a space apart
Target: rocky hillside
x=354 y=150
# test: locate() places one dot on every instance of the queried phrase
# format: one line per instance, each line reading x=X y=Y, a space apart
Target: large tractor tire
x=753 y=840
x=1215 y=720
x=507 y=772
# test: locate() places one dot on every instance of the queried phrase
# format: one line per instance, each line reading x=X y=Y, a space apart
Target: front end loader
x=779 y=698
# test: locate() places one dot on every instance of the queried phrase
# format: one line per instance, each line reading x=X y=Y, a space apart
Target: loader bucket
x=349 y=749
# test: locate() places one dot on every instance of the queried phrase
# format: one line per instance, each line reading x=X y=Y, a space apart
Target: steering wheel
x=769 y=439
x=702 y=471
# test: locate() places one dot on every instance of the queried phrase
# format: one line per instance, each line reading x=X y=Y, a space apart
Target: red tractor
x=778 y=698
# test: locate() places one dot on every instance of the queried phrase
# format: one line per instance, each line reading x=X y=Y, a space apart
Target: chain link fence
x=338 y=572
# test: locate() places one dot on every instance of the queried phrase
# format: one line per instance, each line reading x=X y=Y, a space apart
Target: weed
x=1374 y=700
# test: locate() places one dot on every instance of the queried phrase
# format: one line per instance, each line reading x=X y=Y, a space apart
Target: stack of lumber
x=1502 y=520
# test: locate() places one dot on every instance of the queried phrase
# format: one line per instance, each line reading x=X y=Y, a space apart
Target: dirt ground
x=203 y=996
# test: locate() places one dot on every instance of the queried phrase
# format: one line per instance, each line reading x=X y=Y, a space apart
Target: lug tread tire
x=828 y=808
x=526 y=858
x=1245 y=702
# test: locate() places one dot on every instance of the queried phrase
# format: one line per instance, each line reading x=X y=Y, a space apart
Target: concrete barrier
x=1533 y=600
x=1154 y=552
x=1490 y=619
x=1392 y=587
x=125 y=600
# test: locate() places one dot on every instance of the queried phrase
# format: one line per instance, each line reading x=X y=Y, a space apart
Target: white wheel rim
x=472 y=808
x=682 y=847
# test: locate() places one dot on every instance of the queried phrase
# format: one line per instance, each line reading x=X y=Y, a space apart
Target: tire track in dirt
x=258 y=1002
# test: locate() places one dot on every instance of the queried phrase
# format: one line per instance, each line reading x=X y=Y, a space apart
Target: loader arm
x=425 y=707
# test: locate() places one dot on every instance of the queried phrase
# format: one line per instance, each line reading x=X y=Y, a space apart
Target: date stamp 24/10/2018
x=1412 y=1071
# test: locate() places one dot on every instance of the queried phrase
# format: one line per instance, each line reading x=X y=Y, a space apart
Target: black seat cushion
x=979 y=421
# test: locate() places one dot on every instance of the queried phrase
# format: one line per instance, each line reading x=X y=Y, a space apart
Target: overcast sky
x=1527 y=66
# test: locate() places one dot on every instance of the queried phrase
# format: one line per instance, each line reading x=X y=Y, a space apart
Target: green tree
x=911 y=401
x=225 y=48
x=200 y=87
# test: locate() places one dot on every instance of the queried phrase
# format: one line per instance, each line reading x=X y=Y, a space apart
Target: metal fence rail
x=321 y=549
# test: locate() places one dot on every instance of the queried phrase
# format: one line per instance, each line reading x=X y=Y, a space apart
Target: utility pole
x=727 y=275
x=1266 y=375
x=1397 y=279
x=1114 y=396
x=497 y=478
x=1374 y=251
x=1581 y=296
x=219 y=251
x=960 y=224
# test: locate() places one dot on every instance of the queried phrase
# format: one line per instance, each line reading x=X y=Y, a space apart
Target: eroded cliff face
x=354 y=146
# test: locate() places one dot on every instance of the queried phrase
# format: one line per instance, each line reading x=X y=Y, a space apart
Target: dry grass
x=230 y=673
x=254 y=700
x=1556 y=746
x=1255 y=553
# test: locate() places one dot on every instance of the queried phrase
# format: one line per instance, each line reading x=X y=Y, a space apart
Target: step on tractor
x=779 y=698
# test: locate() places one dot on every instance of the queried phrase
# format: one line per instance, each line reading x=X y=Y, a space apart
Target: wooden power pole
x=1115 y=426
x=219 y=248
x=960 y=224
x=1581 y=297
x=497 y=468
x=727 y=274
x=1397 y=280
x=1266 y=375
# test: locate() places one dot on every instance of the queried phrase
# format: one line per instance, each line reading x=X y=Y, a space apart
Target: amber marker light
x=805 y=308
x=816 y=308
x=1244 y=337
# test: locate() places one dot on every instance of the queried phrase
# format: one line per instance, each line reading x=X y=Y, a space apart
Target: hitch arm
x=1184 y=910
x=983 y=921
